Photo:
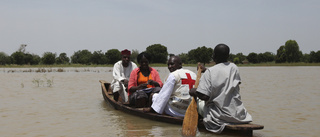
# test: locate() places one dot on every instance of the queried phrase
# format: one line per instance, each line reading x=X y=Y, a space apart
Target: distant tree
x=292 y=51
x=18 y=58
x=305 y=58
x=281 y=55
x=113 y=56
x=231 y=57
x=62 y=59
x=22 y=48
x=31 y=59
x=241 y=57
x=35 y=59
x=236 y=60
x=81 y=57
x=48 y=58
x=202 y=54
x=261 y=58
x=314 y=56
x=184 y=58
x=134 y=55
x=98 y=57
x=4 y=59
x=191 y=56
x=28 y=58
x=269 y=56
x=253 y=57
x=317 y=58
x=158 y=53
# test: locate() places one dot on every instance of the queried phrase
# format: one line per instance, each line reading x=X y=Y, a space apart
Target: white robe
x=221 y=84
x=120 y=73
x=161 y=105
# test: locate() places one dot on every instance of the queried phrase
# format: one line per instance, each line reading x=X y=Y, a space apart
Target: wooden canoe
x=108 y=97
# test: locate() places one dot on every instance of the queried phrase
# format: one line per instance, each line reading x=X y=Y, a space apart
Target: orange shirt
x=143 y=79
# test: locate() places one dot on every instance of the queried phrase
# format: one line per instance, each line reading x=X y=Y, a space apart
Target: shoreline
x=272 y=64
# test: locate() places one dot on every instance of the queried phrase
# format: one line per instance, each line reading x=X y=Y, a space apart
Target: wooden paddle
x=190 y=121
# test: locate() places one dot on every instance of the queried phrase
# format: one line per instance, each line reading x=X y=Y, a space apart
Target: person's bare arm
x=154 y=83
x=195 y=93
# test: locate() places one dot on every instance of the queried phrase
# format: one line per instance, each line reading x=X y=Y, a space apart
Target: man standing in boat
x=220 y=101
x=173 y=98
x=121 y=75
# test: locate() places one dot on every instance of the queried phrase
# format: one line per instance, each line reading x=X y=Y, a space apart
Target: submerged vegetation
x=43 y=81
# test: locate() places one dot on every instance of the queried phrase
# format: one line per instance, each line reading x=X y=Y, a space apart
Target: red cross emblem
x=188 y=81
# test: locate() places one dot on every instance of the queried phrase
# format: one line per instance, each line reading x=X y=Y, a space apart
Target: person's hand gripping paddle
x=190 y=121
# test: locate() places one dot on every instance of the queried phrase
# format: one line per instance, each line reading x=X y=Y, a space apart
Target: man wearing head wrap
x=121 y=75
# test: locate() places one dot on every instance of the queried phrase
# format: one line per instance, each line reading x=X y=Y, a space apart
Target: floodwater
x=67 y=102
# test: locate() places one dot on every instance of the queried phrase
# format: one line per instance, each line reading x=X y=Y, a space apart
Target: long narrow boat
x=108 y=97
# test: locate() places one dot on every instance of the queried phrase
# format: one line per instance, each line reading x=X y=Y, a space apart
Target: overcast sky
x=181 y=25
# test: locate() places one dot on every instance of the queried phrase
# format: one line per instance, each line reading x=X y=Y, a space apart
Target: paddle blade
x=190 y=121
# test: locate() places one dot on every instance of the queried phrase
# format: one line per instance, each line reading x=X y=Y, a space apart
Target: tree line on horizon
x=289 y=53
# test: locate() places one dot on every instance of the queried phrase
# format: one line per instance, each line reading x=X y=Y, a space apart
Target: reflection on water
x=286 y=100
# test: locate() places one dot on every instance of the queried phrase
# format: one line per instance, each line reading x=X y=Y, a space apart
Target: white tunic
x=221 y=84
x=174 y=98
x=120 y=73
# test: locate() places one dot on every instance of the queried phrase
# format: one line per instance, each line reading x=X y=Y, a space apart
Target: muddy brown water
x=286 y=100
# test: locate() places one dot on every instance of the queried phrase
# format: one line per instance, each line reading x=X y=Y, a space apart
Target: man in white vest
x=174 y=98
x=121 y=75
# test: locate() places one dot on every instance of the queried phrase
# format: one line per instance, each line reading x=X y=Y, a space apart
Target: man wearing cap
x=121 y=75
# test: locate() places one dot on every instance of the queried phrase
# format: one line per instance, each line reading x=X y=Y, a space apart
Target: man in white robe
x=220 y=101
x=121 y=74
x=174 y=98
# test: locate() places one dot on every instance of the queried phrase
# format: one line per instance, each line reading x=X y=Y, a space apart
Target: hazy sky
x=180 y=25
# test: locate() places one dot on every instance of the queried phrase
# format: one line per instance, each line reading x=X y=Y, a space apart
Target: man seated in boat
x=173 y=98
x=121 y=74
x=220 y=102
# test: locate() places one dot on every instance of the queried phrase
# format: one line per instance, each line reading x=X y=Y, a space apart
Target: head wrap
x=125 y=52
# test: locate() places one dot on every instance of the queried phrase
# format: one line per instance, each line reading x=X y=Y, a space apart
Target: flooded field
x=67 y=102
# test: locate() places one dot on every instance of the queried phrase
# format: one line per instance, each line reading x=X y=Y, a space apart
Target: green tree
x=158 y=53
x=4 y=59
x=191 y=56
x=317 y=58
x=113 y=56
x=48 y=58
x=22 y=48
x=62 y=59
x=184 y=58
x=253 y=57
x=82 y=57
x=202 y=54
x=281 y=55
x=241 y=57
x=269 y=56
x=98 y=57
x=305 y=58
x=292 y=51
x=231 y=57
x=18 y=58
x=236 y=60
x=314 y=56
x=31 y=59
x=134 y=55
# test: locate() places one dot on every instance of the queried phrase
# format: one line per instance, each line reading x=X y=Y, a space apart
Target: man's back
x=221 y=84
